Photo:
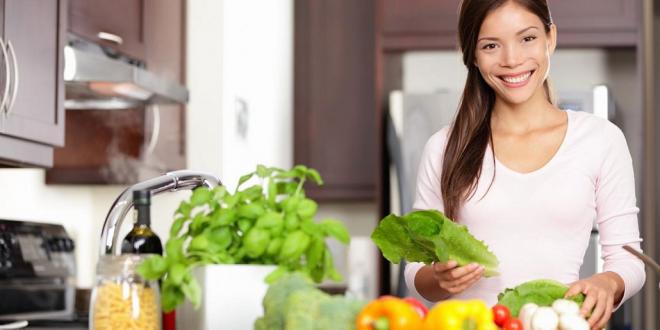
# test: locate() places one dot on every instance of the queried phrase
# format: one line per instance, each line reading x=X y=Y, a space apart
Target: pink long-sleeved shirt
x=538 y=223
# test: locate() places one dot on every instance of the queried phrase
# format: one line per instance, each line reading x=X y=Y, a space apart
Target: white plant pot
x=232 y=298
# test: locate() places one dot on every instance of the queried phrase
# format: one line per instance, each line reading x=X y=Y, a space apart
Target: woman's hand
x=602 y=291
x=454 y=279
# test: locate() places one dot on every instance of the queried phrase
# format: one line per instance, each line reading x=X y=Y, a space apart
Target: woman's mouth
x=516 y=80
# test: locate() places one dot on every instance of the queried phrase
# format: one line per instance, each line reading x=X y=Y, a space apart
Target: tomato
x=500 y=314
x=512 y=324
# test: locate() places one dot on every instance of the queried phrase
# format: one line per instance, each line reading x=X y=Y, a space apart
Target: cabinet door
x=118 y=24
x=419 y=23
x=596 y=22
x=32 y=28
x=335 y=104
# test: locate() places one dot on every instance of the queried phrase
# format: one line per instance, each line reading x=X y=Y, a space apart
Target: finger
x=469 y=278
x=440 y=267
x=574 y=288
x=459 y=272
x=588 y=304
x=599 y=310
x=609 y=306
x=469 y=283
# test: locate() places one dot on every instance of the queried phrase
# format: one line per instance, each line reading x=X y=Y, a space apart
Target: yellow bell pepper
x=459 y=315
x=389 y=313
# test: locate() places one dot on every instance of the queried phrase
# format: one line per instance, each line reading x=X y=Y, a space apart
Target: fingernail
x=481 y=268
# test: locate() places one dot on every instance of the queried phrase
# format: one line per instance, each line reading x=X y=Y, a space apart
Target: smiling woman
x=527 y=178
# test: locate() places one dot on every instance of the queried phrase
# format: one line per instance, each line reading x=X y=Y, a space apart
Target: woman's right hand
x=454 y=279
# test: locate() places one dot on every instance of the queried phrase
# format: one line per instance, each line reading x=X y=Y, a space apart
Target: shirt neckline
x=548 y=164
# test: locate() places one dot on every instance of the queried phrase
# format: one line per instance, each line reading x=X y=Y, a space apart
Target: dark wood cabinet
x=117 y=24
x=32 y=88
x=335 y=118
x=125 y=146
x=432 y=24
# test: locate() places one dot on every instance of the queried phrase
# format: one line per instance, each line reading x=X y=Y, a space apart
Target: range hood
x=98 y=79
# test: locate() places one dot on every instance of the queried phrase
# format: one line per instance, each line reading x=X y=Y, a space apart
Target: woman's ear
x=552 y=38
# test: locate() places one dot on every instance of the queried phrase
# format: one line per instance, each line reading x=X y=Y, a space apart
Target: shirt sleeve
x=427 y=194
x=617 y=215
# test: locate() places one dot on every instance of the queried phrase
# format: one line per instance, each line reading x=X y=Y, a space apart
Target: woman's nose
x=511 y=56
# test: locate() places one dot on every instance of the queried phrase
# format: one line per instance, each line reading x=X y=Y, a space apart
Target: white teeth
x=517 y=79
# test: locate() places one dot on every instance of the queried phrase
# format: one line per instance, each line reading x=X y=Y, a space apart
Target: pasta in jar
x=122 y=299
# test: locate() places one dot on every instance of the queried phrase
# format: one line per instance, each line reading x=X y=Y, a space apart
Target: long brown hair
x=470 y=131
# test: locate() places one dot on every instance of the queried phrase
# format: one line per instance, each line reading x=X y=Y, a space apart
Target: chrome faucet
x=172 y=181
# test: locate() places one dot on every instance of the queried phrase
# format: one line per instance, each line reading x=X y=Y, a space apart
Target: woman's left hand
x=602 y=291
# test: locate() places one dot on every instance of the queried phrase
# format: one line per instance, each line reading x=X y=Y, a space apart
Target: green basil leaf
x=176 y=273
x=200 y=196
x=300 y=170
x=244 y=179
x=199 y=243
x=184 y=209
x=307 y=208
x=176 y=226
x=270 y=220
x=244 y=224
x=220 y=237
x=291 y=221
x=294 y=246
x=174 y=249
x=256 y=242
x=251 y=211
x=193 y=291
x=223 y=217
x=199 y=223
x=171 y=296
x=219 y=192
x=336 y=229
x=253 y=193
x=330 y=270
x=152 y=268
x=263 y=171
x=275 y=275
x=314 y=175
x=274 y=246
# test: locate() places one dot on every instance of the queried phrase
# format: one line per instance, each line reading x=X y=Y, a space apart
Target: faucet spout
x=172 y=181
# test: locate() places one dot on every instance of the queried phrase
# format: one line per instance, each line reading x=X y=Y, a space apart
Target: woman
x=524 y=176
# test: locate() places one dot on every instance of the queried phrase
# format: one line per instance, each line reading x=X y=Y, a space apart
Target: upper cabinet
x=124 y=146
x=116 y=24
x=432 y=24
x=335 y=124
x=31 y=83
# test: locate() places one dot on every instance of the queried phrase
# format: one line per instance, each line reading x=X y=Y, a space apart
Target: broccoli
x=302 y=309
x=275 y=301
x=293 y=303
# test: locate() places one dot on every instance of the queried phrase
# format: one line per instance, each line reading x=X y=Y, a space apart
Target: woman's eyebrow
x=518 y=33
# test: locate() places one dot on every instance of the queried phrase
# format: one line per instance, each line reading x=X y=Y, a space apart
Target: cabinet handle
x=15 y=87
x=5 y=93
x=110 y=37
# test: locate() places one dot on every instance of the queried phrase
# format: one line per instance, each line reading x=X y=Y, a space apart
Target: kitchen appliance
x=98 y=78
x=37 y=271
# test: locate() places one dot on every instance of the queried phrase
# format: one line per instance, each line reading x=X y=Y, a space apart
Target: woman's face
x=513 y=52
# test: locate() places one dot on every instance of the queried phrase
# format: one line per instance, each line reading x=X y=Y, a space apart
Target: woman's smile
x=516 y=80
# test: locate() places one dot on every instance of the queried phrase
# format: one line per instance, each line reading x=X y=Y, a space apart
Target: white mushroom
x=565 y=306
x=545 y=318
x=526 y=313
x=573 y=322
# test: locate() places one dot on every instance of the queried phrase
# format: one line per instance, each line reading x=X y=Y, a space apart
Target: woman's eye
x=489 y=46
x=529 y=38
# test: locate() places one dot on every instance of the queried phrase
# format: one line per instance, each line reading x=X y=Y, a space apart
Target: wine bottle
x=141 y=239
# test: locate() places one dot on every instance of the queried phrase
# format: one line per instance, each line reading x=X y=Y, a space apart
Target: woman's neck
x=521 y=118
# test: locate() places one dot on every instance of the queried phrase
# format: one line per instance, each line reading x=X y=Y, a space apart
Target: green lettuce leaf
x=429 y=236
x=542 y=292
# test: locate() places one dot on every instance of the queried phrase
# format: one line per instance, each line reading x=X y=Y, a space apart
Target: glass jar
x=121 y=298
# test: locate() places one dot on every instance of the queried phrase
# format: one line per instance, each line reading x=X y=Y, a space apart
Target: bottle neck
x=143 y=216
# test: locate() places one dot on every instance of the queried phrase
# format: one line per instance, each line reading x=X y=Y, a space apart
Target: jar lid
x=125 y=264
